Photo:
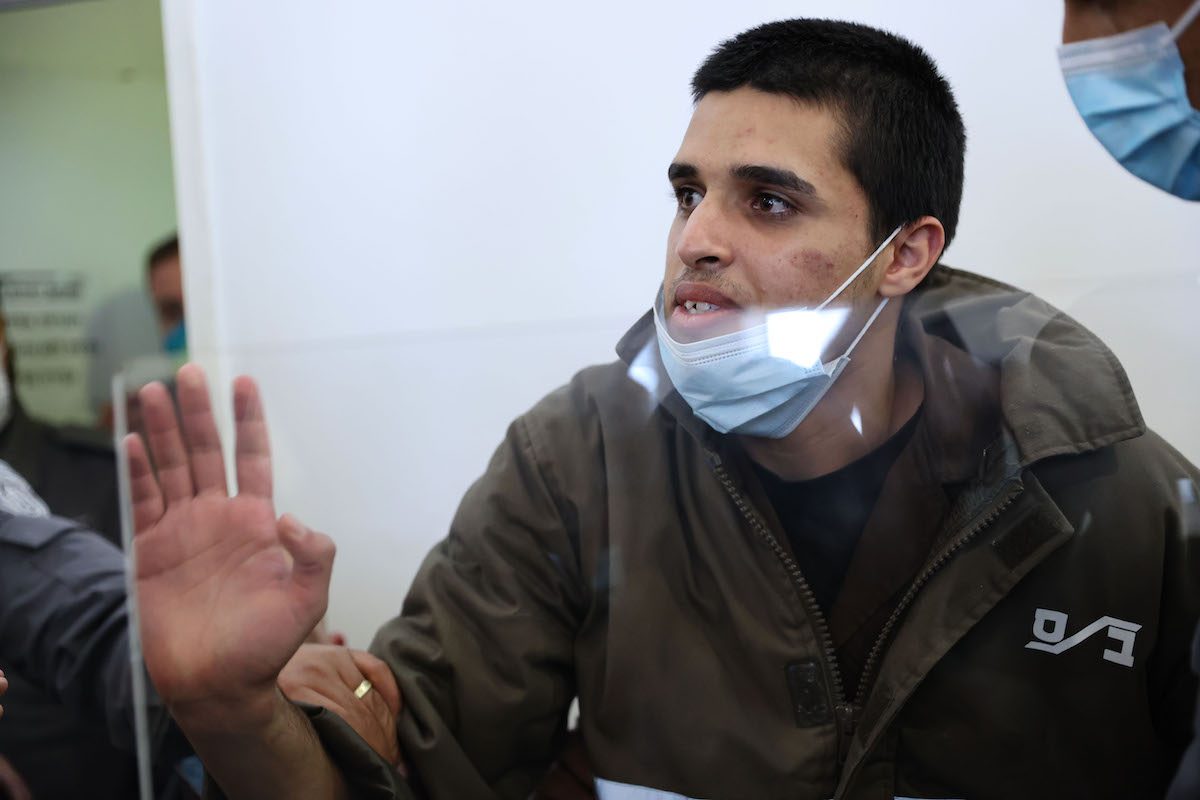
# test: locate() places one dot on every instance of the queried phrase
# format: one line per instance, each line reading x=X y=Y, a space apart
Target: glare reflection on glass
x=801 y=335
x=856 y=420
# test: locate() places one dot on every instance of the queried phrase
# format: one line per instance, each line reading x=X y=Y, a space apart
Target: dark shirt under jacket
x=861 y=535
x=824 y=516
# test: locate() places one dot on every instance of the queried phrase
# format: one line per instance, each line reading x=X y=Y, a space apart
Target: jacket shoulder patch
x=17 y=497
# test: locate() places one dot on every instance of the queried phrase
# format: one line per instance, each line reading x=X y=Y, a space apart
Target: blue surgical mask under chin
x=763 y=380
x=1130 y=91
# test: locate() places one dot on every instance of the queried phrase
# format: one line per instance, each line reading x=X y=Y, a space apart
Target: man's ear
x=913 y=253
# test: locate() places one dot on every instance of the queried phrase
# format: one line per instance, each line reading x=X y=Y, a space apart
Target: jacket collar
x=1060 y=389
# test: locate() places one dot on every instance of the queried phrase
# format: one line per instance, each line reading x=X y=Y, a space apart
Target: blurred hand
x=327 y=675
x=570 y=776
x=226 y=592
x=3 y=689
x=11 y=785
x=322 y=635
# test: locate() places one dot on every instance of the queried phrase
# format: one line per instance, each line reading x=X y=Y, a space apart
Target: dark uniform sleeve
x=64 y=625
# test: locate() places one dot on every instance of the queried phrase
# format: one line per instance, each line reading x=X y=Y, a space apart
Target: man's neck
x=872 y=399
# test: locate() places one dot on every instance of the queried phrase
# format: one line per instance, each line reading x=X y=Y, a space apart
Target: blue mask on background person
x=763 y=380
x=175 y=342
x=1129 y=89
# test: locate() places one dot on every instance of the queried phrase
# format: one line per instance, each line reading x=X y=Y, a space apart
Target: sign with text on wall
x=46 y=312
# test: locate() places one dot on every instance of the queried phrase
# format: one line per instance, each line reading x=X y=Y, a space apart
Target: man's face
x=768 y=215
x=166 y=290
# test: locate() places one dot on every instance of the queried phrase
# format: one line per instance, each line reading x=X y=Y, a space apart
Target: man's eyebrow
x=774 y=176
x=681 y=172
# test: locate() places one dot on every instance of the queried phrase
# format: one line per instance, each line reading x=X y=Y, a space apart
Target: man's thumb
x=312 y=553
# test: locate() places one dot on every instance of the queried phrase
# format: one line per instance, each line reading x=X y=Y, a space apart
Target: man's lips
x=702 y=293
x=688 y=326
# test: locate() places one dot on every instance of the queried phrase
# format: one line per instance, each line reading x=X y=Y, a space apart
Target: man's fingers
x=145 y=496
x=200 y=430
x=352 y=677
x=306 y=694
x=253 y=453
x=321 y=675
x=327 y=676
x=166 y=443
x=381 y=677
x=326 y=669
x=345 y=705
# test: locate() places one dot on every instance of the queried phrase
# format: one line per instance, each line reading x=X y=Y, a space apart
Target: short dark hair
x=903 y=137
x=167 y=249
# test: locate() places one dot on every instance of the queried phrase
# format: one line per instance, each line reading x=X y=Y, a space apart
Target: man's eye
x=687 y=198
x=771 y=204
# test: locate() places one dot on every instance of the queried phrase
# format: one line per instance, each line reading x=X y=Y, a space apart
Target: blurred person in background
x=72 y=468
x=141 y=331
x=165 y=281
x=921 y=544
x=1132 y=68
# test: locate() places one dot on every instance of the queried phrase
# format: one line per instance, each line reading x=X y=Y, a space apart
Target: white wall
x=411 y=222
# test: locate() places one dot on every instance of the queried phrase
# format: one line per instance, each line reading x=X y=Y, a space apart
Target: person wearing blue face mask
x=165 y=280
x=1133 y=71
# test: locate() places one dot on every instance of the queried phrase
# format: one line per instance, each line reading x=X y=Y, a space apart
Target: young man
x=841 y=522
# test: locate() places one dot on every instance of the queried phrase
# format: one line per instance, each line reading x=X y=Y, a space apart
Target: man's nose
x=704 y=242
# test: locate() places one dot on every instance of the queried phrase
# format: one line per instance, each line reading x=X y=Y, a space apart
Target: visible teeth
x=696 y=307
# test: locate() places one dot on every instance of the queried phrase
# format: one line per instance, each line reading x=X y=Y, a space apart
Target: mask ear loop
x=870 y=260
x=867 y=327
x=1187 y=19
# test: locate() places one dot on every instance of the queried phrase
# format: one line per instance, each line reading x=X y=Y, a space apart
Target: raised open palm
x=226 y=592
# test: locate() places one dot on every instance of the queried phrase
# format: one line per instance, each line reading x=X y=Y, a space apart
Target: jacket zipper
x=930 y=570
x=845 y=714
